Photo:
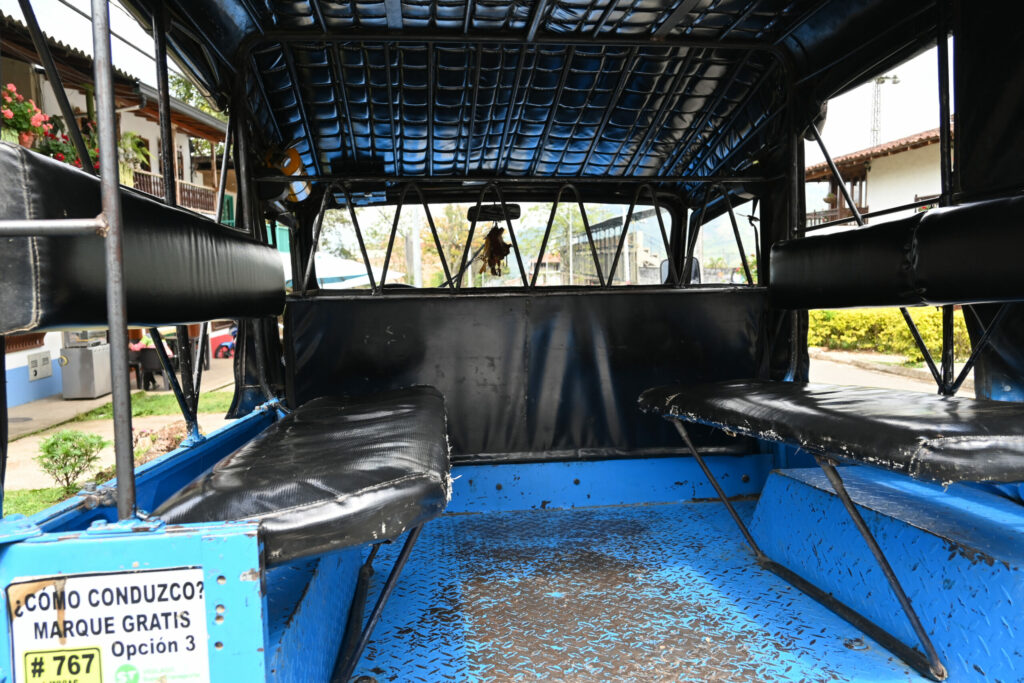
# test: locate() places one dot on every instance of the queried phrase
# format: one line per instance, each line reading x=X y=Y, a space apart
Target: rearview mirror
x=666 y=274
x=486 y=213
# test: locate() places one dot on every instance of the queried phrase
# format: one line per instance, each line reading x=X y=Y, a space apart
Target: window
x=413 y=254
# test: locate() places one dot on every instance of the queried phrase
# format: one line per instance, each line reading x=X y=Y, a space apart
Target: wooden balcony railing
x=827 y=215
x=195 y=197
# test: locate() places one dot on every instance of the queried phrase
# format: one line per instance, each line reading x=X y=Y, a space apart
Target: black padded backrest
x=963 y=254
x=178 y=266
x=543 y=375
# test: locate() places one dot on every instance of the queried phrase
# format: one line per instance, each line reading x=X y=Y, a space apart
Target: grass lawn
x=30 y=501
x=144 y=404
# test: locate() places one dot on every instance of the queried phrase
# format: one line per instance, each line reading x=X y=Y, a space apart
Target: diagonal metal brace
x=928 y=665
x=350 y=654
x=935 y=668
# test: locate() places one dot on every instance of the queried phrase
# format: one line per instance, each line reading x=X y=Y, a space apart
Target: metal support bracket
x=928 y=665
x=346 y=663
x=933 y=666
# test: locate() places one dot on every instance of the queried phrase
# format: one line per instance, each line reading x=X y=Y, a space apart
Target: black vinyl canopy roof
x=668 y=91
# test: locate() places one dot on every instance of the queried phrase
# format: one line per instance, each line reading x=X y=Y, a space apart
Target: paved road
x=829 y=372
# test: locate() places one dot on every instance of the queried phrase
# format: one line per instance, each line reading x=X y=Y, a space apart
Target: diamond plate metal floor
x=640 y=593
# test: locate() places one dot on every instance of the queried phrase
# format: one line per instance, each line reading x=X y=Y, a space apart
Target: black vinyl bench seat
x=937 y=438
x=333 y=473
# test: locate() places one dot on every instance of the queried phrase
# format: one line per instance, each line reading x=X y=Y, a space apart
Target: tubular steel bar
x=622 y=242
x=982 y=343
x=516 y=38
x=837 y=175
x=590 y=234
x=945 y=139
x=916 y=334
x=465 y=180
x=160 y=23
x=736 y=233
x=664 y=235
x=472 y=229
x=55 y=226
x=222 y=181
x=179 y=393
x=116 y=316
x=164 y=104
x=52 y=75
x=881 y=212
x=940 y=378
x=691 y=241
x=307 y=273
x=261 y=362
x=362 y=245
x=948 y=356
x=718 y=489
x=344 y=668
x=358 y=607
x=245 y=189
x=391 y=245
x=894 y=645
x=935 y=668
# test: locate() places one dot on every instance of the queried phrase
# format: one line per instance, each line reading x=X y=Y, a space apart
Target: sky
x=64 y=24
x=908 y=107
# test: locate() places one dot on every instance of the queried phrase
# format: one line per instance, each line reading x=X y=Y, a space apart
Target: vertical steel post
x=948 y=355
x=164 y=103
x=245 y=202
x=222 y=181
x=43 y=50
x=170 y=181
x=946 y=198
x=117 y=319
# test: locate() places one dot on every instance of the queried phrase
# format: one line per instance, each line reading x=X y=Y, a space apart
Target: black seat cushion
x=939 y=438
x=178 y=266
x=333 y=473
x=960 y=254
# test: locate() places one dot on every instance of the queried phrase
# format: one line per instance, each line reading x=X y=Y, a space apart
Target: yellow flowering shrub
x=885 y=331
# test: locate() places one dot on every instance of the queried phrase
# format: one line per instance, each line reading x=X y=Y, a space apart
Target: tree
x=186 y=91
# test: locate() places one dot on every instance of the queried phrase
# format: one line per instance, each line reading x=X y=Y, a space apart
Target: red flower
x=58 y=156
x=78 y=163
x=96 y=165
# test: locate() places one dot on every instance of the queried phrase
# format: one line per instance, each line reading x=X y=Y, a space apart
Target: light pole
x=876 y=107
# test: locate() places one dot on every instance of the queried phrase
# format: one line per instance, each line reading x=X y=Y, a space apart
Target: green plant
x=20 y=113
x=132 y=149
x=69 y=454
x=30 y=501
x=884 y=330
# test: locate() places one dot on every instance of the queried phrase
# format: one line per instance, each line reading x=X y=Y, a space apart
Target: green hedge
x=885 y=331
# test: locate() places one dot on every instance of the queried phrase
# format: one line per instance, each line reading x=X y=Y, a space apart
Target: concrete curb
x=913 y=373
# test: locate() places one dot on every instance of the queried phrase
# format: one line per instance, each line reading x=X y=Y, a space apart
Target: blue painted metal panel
x=20 y=390
x=958 y=553
x=645 y=593
x=310 y=629
x=483 y=488
x=229 y=555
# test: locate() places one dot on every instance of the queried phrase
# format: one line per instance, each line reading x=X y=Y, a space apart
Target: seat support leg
x=718 y=489
x=927 y=665
x=935 y=667
x=346 y=665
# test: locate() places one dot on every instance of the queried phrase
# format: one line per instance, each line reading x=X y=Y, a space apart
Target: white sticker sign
x=127 y=627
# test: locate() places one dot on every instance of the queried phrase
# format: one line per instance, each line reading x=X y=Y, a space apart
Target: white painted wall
x=899 y=178
x=130 y=122
x=19 y=359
